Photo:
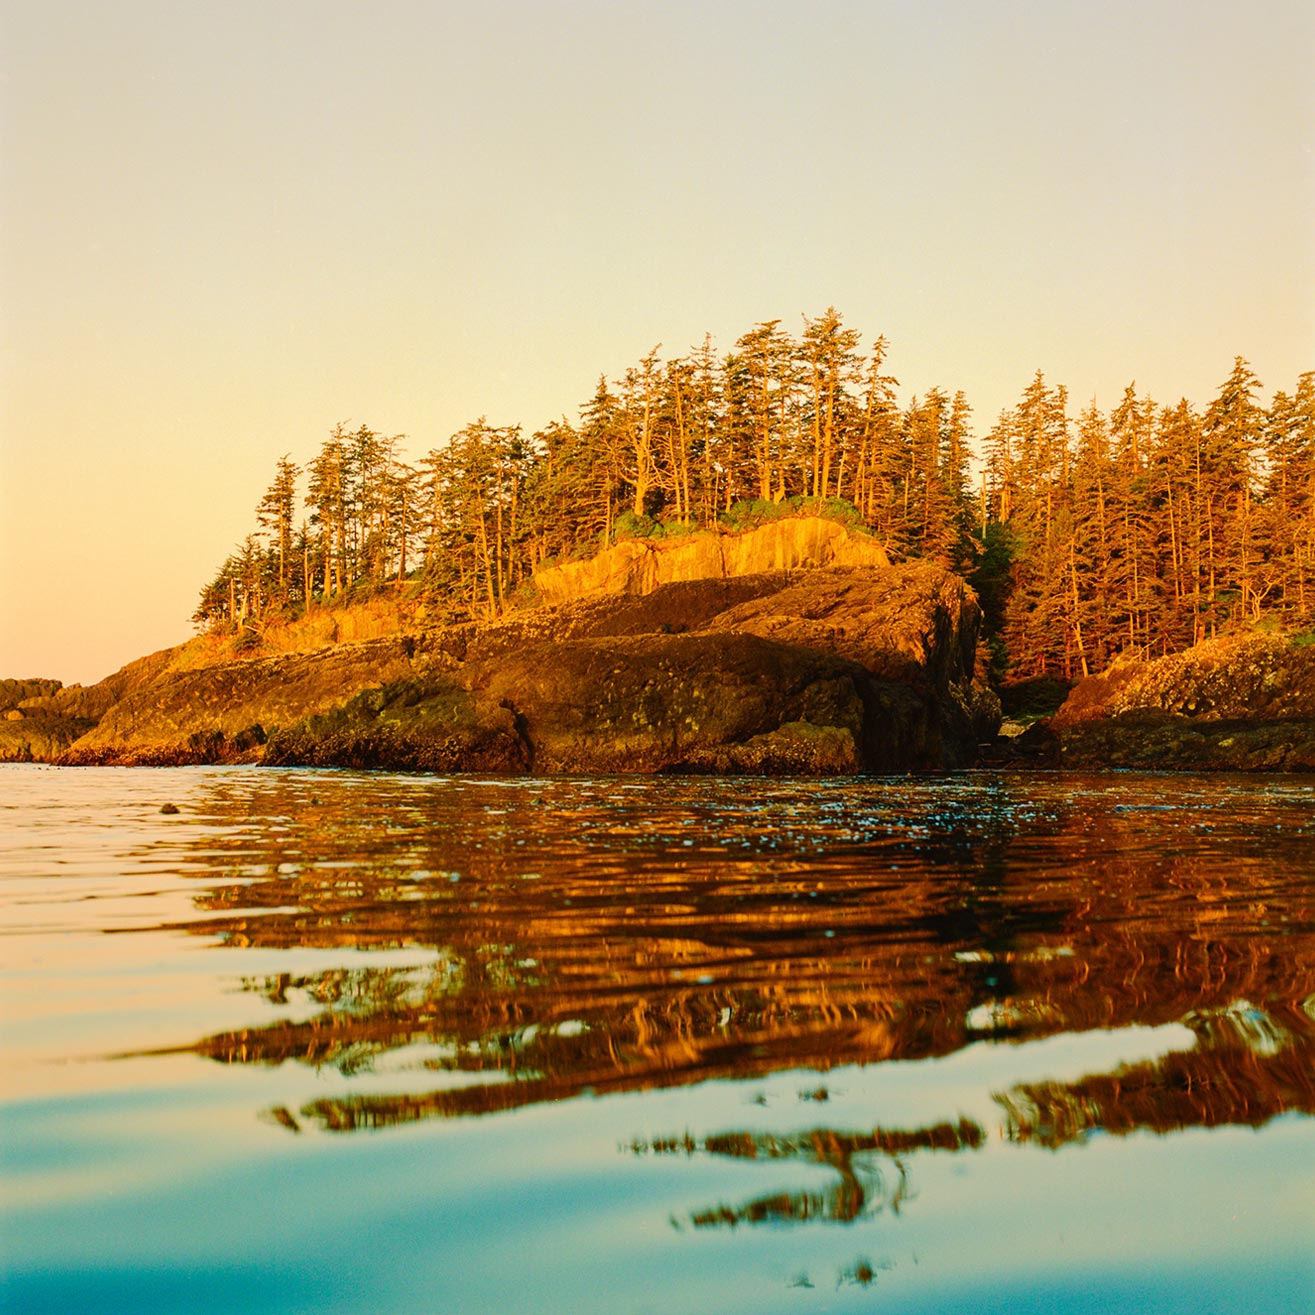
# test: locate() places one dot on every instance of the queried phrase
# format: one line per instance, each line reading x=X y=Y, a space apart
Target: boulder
x=653 y=703
x=914 y=625
x=434 y=724
x=1240 y=703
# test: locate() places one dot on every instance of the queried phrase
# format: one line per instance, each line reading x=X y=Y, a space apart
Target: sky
x=227 y=227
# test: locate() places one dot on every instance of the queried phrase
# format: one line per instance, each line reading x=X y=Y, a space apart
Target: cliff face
x=639 y=566
x=655 y=658
x=771 y=673
x=1243 y=703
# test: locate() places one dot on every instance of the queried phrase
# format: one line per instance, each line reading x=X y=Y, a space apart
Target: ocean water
x=350 y=1042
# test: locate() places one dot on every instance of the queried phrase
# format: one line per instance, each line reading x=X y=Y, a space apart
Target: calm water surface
x=338 y=1042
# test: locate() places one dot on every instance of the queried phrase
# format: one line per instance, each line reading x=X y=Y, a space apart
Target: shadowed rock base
x=1162 y=741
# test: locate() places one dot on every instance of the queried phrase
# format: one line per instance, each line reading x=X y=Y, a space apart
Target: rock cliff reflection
x=570 y=937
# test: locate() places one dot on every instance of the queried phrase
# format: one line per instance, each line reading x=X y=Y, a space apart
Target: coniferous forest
x=1086 y=533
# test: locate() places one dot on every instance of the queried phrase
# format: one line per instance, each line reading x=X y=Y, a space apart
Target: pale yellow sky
x=226 y=227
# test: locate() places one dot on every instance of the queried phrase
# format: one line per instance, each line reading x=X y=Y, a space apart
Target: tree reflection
x=1246 y=1068
x=870 y=1171
x=609 y=941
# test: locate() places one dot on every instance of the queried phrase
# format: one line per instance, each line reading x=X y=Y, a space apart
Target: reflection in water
x=594 y=937
x=1247 y=1067
x=871 y=1172
x=611 y=1046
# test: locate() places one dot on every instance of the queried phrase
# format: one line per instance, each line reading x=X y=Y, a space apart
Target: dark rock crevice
x=521 y=727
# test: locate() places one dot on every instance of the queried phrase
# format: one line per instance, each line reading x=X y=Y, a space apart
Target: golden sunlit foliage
x=1148 y=528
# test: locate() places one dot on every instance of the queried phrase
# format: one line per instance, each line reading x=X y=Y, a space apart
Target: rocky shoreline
x=847 y=667
x=832 y=670
x=1242 y=703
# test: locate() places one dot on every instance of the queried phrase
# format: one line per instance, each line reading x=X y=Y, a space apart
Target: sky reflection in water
x=365 y=1042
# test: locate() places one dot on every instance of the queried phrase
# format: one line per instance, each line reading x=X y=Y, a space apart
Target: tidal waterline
x=358 y=1042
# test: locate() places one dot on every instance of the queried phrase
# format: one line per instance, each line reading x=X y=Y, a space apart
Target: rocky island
x=759 y=563
x=1237 y=703
x=792 y=648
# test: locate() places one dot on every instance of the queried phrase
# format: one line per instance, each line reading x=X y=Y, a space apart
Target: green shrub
x=750 y=513
x=675 y=530
x=630 y=526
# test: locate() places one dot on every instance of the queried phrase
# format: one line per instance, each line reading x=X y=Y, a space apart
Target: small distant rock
x=169 y=809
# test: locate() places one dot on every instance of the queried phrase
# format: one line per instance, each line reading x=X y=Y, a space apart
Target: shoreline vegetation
x=772 y=535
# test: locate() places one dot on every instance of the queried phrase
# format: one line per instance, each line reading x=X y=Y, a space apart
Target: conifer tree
x=275 y=516
x=875 y=463
x=709 y=426
x=1132 y=575
x=1288 y=516
x=1174 y=485
x=639 y=407
x=677 y=428
x=1231 y=435
x=828 y=356
x=326 y=498
x=766 y=356
x=1040 y=616
x=603 y=436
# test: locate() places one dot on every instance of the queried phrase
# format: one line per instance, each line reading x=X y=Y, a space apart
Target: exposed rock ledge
x=639 y=566
x=824 y=671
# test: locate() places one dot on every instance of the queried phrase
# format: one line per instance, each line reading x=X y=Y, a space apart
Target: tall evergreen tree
x=1287 y=521
x=326 y=498
x=829 y=357
x=876 y=466
x=1231 y=438
x=275 y=515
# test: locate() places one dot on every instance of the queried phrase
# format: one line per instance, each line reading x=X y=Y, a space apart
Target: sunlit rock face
x=31 y=729
x=639 y=566
x=41 y=719
x=912 y=622
x=1241 y=703
x=14 y=694
x=820 y=672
